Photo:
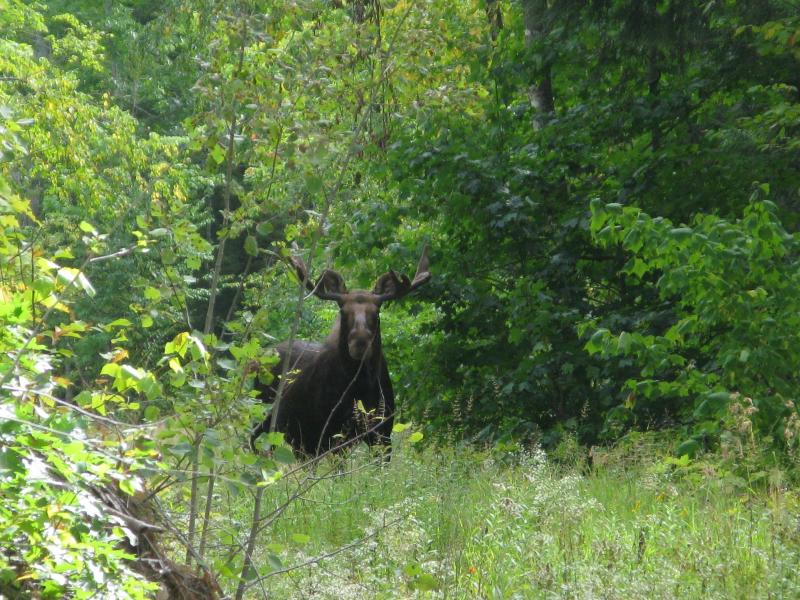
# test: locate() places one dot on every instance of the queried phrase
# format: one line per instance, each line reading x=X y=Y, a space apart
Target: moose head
x=358 y=324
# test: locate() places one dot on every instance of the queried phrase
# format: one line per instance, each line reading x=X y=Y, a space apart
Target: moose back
x=330 y=395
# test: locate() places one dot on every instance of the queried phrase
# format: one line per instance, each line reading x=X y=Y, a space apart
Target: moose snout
x=359 y=346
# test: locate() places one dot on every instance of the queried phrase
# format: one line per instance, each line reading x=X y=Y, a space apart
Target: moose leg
x=381 y=434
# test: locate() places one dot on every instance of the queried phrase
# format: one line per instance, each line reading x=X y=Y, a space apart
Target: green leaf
x=425 y=582
x=218 y=154
x=596 y=342
x=133 y=372
x=119 y=323
x=638 y=268
x=314 y=183
x=43 y=287
x=283 y=455
x=274 y=562
x=70 y=276
x=712 y=404
x=264 y=228
x=180 y=450
x=226 y=364
x=415 y=437
x=150 y=387
x=275 y=438
x=168 y=256
x=84 y=399
x=86 y=285
x=683 y=461
x=111 y=369
x=251 y=245
x=301 y=538
x=126 y=485
x=688 y=448
x=269 y=477
x=681 y=233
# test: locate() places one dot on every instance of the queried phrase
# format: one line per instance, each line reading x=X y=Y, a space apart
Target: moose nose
x=359 y=347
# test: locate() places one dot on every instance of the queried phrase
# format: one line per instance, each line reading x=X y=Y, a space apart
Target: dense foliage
x=672 y=108
x=609 y=190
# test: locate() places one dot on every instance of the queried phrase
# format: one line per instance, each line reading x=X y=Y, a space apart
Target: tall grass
x=445 y=523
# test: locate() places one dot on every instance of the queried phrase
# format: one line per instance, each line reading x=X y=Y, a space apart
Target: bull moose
x=339 y=391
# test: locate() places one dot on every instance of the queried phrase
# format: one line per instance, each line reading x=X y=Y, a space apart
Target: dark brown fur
x=339 y=392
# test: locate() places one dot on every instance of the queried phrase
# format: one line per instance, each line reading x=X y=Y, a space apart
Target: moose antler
x=391 y=287
x=329 y=286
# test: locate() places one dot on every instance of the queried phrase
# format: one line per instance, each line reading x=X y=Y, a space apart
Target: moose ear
x=387 y=285
x=391 y=287
x=330 y=285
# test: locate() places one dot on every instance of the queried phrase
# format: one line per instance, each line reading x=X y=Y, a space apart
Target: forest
x=593 y=395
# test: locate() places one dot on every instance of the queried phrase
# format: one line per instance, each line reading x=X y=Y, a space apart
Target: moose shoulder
x=329 y=395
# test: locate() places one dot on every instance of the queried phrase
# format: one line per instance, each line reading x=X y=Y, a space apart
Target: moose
x=338 y=392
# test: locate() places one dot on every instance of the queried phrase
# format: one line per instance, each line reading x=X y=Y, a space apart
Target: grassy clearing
x=463 y=524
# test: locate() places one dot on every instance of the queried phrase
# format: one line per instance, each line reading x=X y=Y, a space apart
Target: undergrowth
x=445 y=523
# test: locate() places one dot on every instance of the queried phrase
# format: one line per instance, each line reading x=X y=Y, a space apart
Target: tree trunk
x=494 y=14
x=653 y=81
x=359 y=11
x=540 y=92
